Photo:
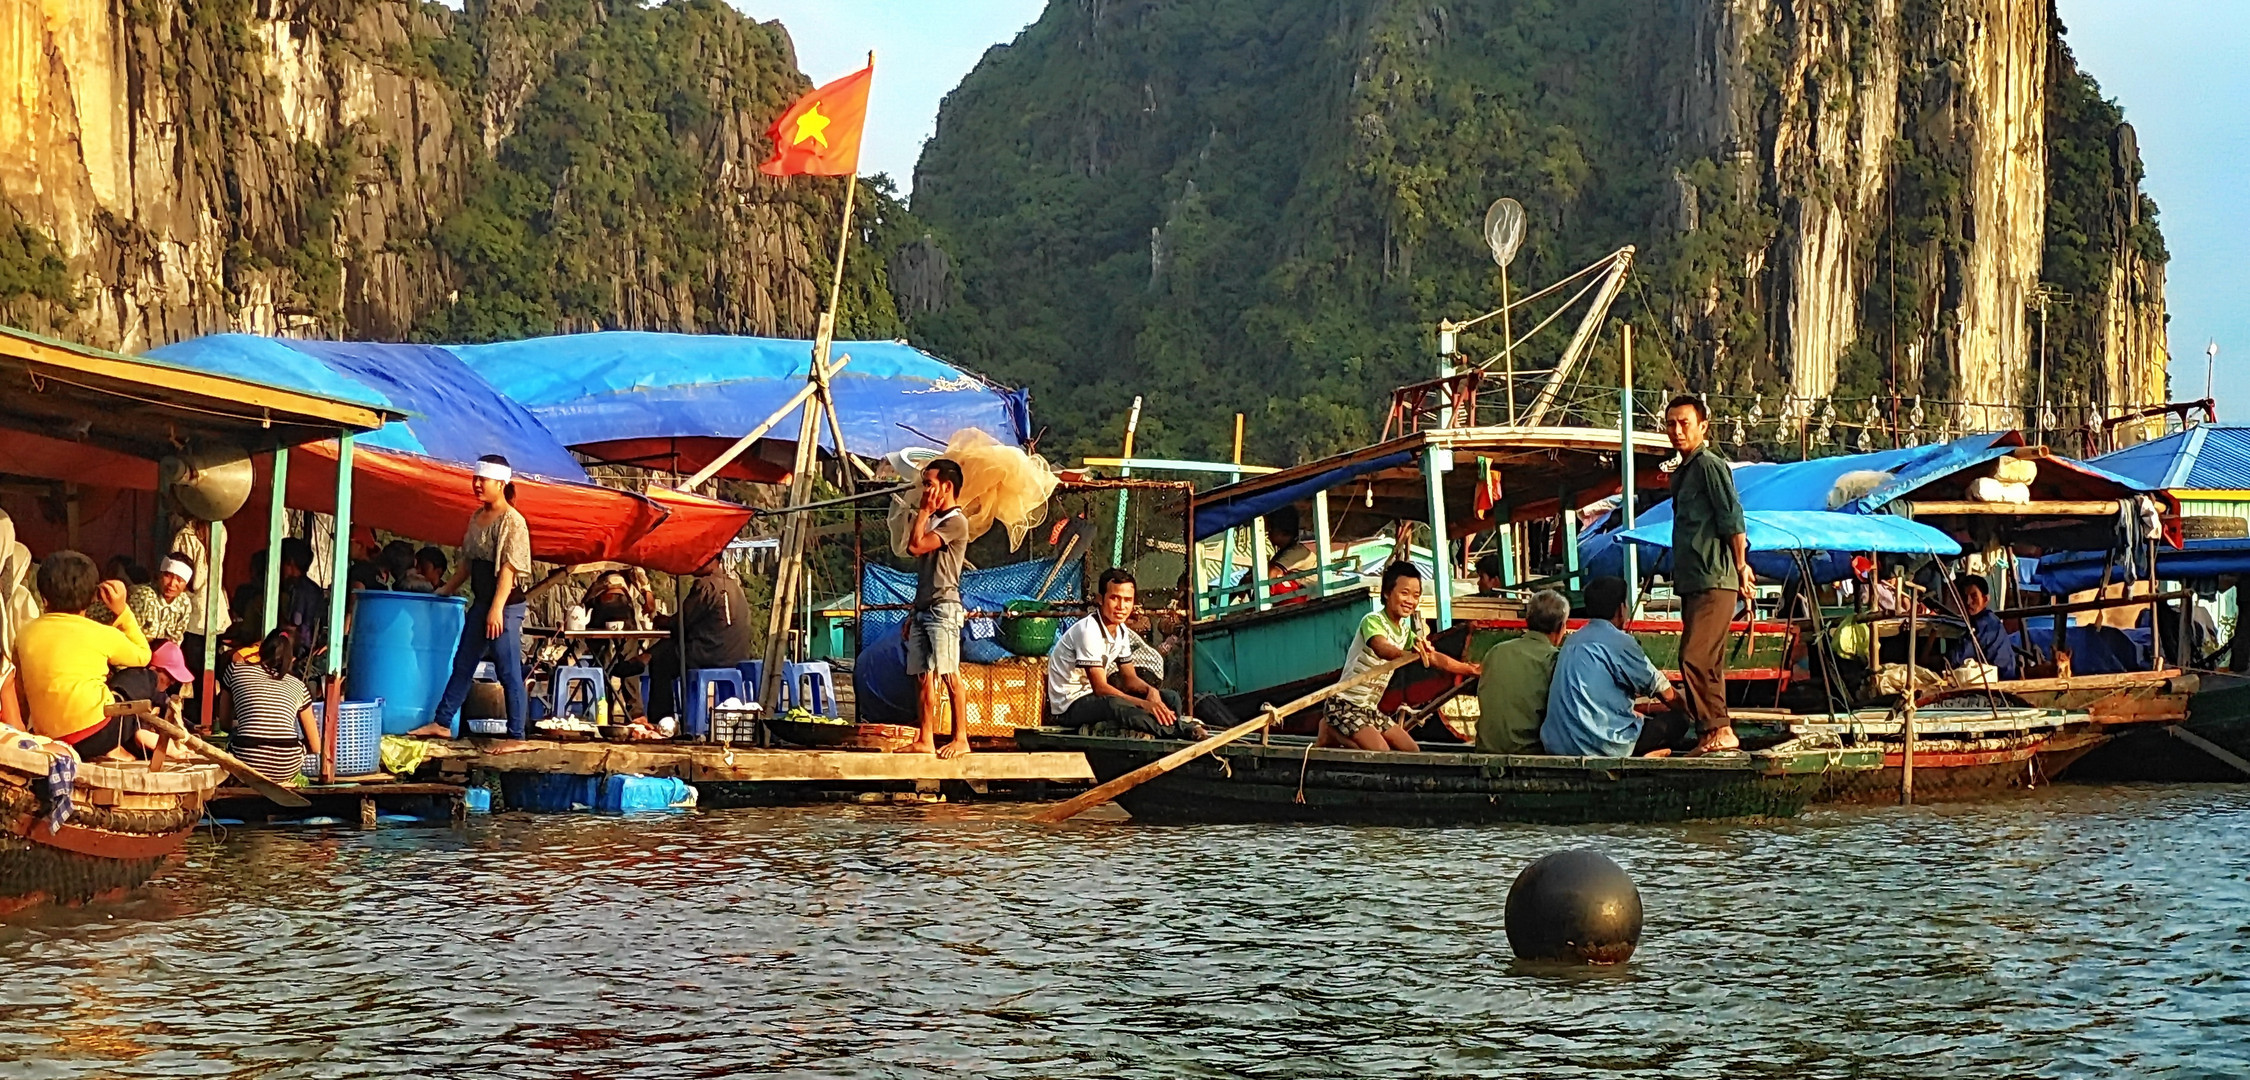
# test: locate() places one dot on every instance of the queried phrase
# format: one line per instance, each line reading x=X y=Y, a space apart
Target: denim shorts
x=933 y=639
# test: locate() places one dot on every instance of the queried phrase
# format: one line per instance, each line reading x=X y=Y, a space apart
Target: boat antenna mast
x=1602 y=280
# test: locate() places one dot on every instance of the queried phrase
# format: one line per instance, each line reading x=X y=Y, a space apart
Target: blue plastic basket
x=359 y=735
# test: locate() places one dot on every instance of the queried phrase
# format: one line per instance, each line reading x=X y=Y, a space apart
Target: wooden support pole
x=339 y=588
x=1625 y=467
x=277 y=522
x=214 y=594
x=789 y=568
x=1117 y=539
x=1906 y=773
x=1434 y=467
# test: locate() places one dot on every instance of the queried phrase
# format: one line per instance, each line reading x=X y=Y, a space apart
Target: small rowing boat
x=1960 y=752
x=1289 y=779
x=122 y=821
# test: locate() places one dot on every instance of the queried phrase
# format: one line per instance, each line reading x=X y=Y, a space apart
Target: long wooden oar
x=1064 y=811
x=256 y=780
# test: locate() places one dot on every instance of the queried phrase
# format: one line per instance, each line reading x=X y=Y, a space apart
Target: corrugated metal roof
x=2208 y=457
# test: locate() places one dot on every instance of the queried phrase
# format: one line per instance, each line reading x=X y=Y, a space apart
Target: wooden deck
x=715 y=764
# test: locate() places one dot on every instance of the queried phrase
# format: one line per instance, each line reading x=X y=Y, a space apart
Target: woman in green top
x=1355 y=717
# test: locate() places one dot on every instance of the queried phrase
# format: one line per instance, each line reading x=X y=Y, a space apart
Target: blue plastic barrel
x=401 y=651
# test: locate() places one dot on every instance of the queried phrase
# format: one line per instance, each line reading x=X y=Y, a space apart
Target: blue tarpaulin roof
x=1804 y=485
x=1216 y=518
x=2195 y=560
x=452 y=413
x=1823 y=530
x=624 y=385
x=2208 y=457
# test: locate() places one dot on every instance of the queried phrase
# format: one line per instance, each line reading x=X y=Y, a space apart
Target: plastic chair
x=568 y=681
x=811 y=686
x=704 y=686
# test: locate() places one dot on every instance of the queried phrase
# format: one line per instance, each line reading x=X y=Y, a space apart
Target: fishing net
x=1000 y=485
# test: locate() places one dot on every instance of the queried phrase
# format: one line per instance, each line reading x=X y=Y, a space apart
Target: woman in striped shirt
x=273 y=716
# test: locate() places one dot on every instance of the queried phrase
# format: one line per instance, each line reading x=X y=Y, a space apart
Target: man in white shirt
x=1091 y=677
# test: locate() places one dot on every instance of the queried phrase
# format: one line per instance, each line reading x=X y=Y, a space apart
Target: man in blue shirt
x=1598 y=674
x=1988 y=639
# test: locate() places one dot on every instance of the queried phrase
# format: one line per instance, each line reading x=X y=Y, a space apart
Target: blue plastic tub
x=622 y=794
x=550 y=793
x=401 y=651
x=359 y=736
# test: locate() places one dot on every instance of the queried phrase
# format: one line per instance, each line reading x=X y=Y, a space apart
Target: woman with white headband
x=496 y=563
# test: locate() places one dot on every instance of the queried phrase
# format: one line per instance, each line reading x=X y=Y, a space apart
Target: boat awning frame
x=1393 y=470
x=149 y=409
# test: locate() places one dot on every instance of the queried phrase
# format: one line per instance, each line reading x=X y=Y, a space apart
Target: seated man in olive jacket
x=715 y=621
x=1512 y=692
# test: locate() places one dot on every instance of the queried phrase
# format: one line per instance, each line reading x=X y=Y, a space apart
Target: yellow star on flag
x=811 y=125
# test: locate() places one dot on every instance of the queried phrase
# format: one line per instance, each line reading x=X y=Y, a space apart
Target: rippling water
x=2080 y=931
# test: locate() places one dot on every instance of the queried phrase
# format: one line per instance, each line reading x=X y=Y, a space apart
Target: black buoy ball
x=1574 y=906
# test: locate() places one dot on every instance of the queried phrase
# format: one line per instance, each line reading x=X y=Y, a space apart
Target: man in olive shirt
x=1710 y=567
x=1512 y=692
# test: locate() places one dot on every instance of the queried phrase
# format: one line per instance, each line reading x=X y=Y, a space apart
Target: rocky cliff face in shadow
x=1266 y=206
x=387 y=169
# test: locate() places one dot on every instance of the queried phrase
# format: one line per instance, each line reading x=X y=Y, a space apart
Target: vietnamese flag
x=819 y=135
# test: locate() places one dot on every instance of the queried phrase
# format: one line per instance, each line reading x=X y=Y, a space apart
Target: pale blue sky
x=2181 y=68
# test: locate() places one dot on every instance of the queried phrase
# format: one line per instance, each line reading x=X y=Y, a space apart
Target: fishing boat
x=1289 y=779
x=121 y=821
x=1268 y=637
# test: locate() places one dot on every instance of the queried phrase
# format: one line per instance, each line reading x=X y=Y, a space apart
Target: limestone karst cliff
x=1266 y=206
x=392 y=169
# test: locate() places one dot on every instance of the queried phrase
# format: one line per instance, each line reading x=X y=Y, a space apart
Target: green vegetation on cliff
x=623 y=167
x=1266 y=206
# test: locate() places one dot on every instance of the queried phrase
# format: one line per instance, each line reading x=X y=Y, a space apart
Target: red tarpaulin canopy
x=430 y=500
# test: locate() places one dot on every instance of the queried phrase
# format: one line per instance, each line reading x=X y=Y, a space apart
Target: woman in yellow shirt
x=63 y=660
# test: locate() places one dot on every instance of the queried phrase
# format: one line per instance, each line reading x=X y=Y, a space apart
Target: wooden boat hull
x=1964 y=771
x=124 y=823
x=1294 y=782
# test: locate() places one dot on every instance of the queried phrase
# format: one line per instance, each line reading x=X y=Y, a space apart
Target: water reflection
x=2079 y=931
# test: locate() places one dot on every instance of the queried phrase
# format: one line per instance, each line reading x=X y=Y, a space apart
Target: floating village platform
x=723 y=776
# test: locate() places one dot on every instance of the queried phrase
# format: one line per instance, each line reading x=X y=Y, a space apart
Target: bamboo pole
x=789 y=568
x=1064 y=811
x=728 y=455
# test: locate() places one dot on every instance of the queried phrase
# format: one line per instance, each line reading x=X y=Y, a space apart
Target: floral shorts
x=1348 y=717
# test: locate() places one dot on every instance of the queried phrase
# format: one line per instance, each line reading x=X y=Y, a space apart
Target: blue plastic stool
x=811 y=686
x=754 y=677
x=703 y=686
x=567 y=683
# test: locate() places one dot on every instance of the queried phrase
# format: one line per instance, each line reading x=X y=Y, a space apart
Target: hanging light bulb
x=1827 y=420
